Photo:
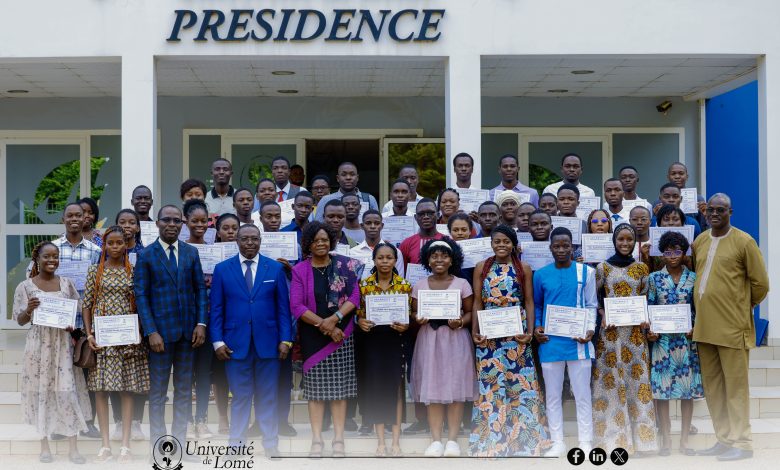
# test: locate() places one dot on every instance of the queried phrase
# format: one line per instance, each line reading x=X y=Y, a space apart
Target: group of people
x=241 y=328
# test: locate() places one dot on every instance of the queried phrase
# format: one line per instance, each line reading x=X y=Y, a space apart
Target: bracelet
x=339 y=315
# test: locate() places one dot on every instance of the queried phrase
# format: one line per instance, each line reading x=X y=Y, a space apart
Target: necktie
x=172 y=261
x=281 y=197
x=248 y=275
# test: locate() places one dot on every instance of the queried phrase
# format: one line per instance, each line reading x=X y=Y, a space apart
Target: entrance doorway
x=323 y=157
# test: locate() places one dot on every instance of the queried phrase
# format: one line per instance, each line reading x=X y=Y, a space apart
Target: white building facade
x=150 y=92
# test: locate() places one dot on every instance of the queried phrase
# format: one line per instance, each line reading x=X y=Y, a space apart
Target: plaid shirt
x=84 y=250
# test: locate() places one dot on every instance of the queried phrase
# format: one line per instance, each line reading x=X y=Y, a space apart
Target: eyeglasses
x=671 y=253
x=171 y=220
x=249 y=239
x=426 y=214
x=716 y=210
x=603 y=220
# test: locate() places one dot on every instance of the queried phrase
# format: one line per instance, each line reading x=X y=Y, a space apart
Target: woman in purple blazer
x=323 y=296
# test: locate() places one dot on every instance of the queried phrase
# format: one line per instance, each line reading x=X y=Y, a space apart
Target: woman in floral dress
x=675 y=372
x=508 y=415
x=623 y=413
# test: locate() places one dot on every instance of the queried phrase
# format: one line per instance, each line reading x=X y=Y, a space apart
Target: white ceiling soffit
x=608 y=76
x=61 y=78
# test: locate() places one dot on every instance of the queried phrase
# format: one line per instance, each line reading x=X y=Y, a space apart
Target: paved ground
x=764 y=459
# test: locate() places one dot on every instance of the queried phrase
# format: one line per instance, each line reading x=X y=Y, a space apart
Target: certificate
x=536 y=254
x=524 y=197
x=470 y=199
x=438 y=304
x=574 y=224
x=655 y=237
x=569 y=322
x=597 y=247
x=524 y=237
x=279 y=245
x=209 y=236
x=149 y=232
x=690 y=200
x=56 y=312
x=500 y=322
x=629 y=204
x=670 y=318
x=387 y=309
x=117 y=330
x=442 y=229
x=588 y=205
x=341 y=249
x=368 y=265
x=475 y=250
x=133 y=258
x=398 y=228
x=363 y=207
x=288 y=214
x=229 y=249
x=415 y=272
x=76 y=271
x=210 y=256
x=625 y=311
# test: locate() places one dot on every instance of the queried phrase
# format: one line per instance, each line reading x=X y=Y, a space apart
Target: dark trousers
x=201 y=377
x=285 y=387
x=177 y=355
x=253 y=379
x=139 y=400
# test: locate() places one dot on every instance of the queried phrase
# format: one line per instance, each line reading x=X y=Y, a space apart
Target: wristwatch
x=339 y=315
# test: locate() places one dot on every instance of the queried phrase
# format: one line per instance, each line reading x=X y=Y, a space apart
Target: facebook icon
x=576 y=456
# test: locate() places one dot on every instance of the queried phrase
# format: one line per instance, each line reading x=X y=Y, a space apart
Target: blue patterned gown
x=675 y=373
x=508 y=416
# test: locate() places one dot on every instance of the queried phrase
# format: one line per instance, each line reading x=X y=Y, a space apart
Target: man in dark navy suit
x=170 y=295
x=251 y=329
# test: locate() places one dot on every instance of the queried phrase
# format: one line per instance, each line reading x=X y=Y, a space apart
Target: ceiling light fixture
x=18 y=91
x=287 y=92
x=282 y=72
x=582 y=72
x=558 y=90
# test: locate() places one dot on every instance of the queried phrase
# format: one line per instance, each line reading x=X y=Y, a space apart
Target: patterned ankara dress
x=508 y=416
x=623 y=411
x=117 y=368
x=675 y=373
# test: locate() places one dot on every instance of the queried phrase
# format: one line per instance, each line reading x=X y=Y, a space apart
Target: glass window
x=544 y=160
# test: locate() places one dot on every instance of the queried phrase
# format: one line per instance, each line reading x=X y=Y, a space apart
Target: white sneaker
x=116 y=434
x=203 y=431
x=136 y=434
x=586 y=448
x=558 y=449
x=436 y=449
x=452 y=449
x=192 y=431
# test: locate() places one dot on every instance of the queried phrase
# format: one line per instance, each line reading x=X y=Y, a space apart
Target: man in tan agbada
x=731 y=281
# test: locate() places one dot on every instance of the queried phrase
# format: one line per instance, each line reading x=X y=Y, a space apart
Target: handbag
x=83 y=355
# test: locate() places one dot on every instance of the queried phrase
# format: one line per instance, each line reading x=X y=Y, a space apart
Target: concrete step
x=18 y=439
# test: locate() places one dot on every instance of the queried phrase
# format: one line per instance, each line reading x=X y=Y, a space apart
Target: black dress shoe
x=417 y=428
x=735 y=454
x=717 y=449
x=366 y=430
x=286 y=430
x=91 y=432
x=350 y=425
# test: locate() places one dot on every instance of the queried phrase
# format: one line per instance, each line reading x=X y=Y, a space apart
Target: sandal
x=381 y=452
x=124 y=455
x=396 y=452
x=104 y=455
x=338 y=453
x=687 y=451
x=315 y=452
x=79 y=459
x=46 y=457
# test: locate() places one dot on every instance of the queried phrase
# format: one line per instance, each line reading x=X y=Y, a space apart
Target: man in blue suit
x=251 y=329
x=171 y=298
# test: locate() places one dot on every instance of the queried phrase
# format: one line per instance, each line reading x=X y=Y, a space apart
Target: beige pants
x=724 y=373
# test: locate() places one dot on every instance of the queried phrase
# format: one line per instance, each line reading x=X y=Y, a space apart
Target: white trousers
x=579 y=376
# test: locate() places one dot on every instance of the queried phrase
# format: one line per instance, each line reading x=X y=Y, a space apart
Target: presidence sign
x=337 y=25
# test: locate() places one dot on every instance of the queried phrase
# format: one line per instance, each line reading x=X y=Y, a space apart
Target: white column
x=140 y=162
x=768 y=189
x=463 y=113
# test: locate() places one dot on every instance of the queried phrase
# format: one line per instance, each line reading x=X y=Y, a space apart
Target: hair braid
x=36 y=269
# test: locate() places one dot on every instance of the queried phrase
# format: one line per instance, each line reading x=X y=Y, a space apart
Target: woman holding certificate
x=53 y=394
x=675 y=373
x=623 y=412
x=323 y=295
x=122 y=368
x=384 y=318
x=443 y=373
x=505 y=364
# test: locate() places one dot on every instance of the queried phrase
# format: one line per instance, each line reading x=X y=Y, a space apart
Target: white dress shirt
x=388 y=207
x=285 y=192
x=253 y=267
x=362 y=250
x=584 y=190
